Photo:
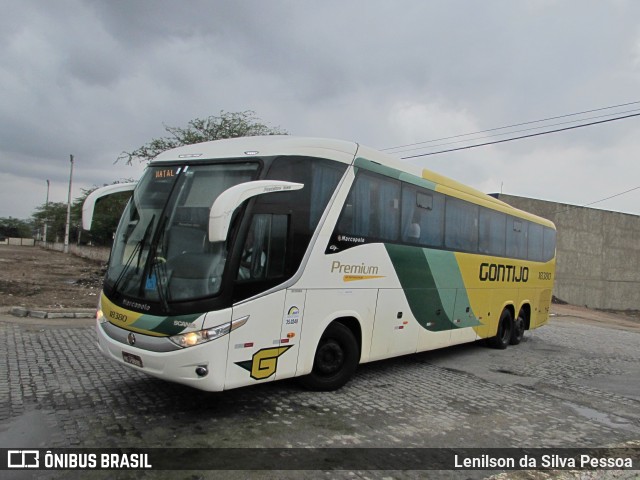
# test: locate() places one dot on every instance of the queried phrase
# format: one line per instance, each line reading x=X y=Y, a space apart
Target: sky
x=94 y=78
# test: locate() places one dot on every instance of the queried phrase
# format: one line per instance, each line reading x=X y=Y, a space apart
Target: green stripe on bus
x=434 y=287
x=394 y=173
x=416 y=278
x=446 y=270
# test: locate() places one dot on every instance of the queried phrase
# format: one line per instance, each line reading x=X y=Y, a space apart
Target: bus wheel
x=335 y=360
x=518 y=330
x=505 y=327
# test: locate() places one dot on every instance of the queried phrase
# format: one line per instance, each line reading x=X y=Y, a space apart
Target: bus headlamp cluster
x=191 y=339
x=100 y=316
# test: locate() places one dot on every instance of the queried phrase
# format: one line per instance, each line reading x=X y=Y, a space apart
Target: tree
x=105 y=218
x=55 y=215
x=16 y=228
x=226 y=125
x=106 y=215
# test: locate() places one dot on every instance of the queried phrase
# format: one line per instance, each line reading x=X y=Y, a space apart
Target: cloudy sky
x=93 y=78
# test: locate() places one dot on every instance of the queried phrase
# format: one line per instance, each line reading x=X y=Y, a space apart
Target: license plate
x=132 y=359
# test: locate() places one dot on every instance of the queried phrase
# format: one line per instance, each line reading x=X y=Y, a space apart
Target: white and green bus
x=255 y=259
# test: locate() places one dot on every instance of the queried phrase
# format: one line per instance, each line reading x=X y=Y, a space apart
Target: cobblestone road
x=567 y=385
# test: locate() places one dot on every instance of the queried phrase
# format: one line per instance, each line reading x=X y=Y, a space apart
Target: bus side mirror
x=232 y=198
x=90 y=202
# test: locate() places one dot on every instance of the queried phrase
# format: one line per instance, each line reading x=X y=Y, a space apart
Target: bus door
x=255 y=348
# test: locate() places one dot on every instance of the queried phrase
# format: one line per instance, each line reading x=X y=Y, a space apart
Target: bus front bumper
x=202 y=366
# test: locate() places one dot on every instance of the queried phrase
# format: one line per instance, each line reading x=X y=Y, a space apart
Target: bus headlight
x=191 y=339
x=100 y=316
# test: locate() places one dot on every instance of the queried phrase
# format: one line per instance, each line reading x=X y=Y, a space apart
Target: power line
x=513 y=125
x=521 y=137
x=598 y=201
x=612 y=196
x=516 y=131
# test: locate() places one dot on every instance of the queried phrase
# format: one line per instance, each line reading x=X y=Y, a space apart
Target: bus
x=248 y=260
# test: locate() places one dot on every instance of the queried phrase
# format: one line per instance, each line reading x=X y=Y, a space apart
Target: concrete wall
x=100 y=254
x=25 y=242
x=598 y=253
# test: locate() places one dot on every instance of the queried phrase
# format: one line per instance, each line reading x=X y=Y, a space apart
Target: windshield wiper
x=160 y=267
x=143 y=241
x=152 y=266
x=160 y=271
x=138 y=249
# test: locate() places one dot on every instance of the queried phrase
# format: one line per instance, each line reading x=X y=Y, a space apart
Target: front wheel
x=335 y=360
x=505 y=329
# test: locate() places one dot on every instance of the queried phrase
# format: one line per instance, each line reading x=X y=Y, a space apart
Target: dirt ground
x=623 y=320
x=34 y=277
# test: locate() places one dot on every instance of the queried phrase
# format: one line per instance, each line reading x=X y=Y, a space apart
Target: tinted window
x=422 y=216
x=372 y=209
x=549 y=243
x=320 y=178
x=461 y=225
x=325 y=177
x=534 y=242
x=493 y=227
x=516 y=238
x=263 y=254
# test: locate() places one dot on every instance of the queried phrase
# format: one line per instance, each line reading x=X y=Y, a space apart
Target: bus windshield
x=161 y=251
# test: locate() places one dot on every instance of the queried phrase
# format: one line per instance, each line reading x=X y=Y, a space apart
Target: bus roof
x=339 y=150
x=264 y=146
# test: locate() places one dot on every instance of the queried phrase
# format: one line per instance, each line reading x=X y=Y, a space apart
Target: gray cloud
x=94 y=78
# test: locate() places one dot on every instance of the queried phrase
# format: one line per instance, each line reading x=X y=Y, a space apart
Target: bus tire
x=518 y=330
x=505 y=328
x=335 y=361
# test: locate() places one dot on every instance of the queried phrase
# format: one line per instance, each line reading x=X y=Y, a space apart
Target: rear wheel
x=518 y=330
x=505 y=330
x=335 y=360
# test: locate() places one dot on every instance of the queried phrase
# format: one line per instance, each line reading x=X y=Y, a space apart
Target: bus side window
x=264 y=252
x=422 y=216
x=372 y=209
x=534 y=242
x=549 y=244
x=516 y=238
x=461 y=225
x=493 y=227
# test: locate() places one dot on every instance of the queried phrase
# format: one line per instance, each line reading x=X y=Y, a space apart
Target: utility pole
x=66 y=227
x=46 y=216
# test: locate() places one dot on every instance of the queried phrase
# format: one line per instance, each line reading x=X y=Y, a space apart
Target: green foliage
x=226 y=125
x=15 y=228
x=105 y=216
x=55 y=216
x=105 y=219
